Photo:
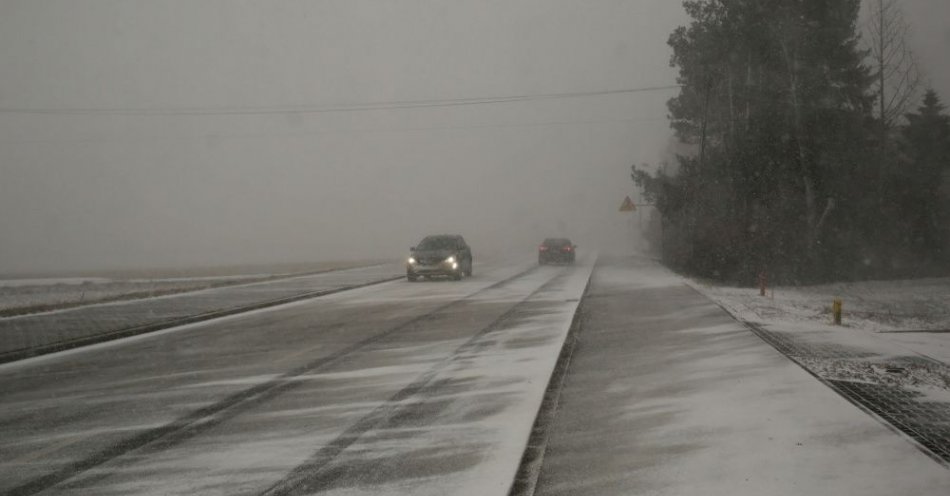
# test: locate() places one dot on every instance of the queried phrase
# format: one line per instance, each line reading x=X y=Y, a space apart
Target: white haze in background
x=94 y=191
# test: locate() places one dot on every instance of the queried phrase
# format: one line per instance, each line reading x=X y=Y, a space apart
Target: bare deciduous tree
x=898 y=78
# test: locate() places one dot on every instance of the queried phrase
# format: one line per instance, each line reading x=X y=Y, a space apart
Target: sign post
x=629 y=206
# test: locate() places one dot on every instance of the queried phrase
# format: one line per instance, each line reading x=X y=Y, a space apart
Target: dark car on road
x=440 y=255
x=556 y=250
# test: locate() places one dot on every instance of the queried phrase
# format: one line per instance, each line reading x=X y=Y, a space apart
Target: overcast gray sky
x=102 y=190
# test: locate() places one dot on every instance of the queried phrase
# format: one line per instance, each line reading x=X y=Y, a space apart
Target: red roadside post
x=763 y=282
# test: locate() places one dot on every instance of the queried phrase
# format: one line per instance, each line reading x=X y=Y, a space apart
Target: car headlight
x=450 y=260
x=412 y=261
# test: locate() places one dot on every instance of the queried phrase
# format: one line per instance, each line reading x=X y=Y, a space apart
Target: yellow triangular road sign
x=627 y=205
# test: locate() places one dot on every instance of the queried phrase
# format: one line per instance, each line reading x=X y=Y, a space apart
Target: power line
x=391 y=130
x=318 y=109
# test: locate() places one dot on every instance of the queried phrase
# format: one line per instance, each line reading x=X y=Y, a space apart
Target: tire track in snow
x=199 y=421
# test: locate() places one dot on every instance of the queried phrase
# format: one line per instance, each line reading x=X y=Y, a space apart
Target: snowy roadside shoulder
x=891 y=356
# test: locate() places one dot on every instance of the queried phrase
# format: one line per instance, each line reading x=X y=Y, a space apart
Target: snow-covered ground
x=43 y=294
x=51 y=281
x=891 y=332
x=880 y=306
x=36 y=294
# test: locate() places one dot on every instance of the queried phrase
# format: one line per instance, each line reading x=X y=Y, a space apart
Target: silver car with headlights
x=446 y=255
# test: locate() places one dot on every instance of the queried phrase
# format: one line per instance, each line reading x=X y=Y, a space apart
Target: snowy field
x=26 y=295
x=878 y=306
x=29 y=296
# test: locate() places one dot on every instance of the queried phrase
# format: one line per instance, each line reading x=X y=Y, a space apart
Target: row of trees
x=806 y=162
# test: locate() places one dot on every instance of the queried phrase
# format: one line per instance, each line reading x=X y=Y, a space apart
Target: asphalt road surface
x=412 y=388
x=667 y=394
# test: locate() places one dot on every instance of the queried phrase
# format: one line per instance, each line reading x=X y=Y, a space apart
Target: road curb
x=529 y=468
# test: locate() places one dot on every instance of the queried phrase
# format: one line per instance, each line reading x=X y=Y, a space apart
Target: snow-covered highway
x=435 y=388
x=412 y=388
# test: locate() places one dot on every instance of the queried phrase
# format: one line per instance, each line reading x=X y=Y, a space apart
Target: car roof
x=448 y=236
x=445 y=237
x=557 y=241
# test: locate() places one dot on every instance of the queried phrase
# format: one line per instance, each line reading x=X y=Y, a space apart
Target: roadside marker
x=627 y=205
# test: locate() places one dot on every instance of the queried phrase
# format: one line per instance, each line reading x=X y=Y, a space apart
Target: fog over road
x=201 y=138
x=575 y=379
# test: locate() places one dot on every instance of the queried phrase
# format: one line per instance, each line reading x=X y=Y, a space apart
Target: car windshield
x=438 y=243
x=475 y=247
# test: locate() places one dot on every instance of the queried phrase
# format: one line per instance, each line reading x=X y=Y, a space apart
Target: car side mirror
x=412 y=248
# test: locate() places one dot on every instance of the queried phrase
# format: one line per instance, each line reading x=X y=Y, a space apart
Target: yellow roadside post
x=836 y=310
